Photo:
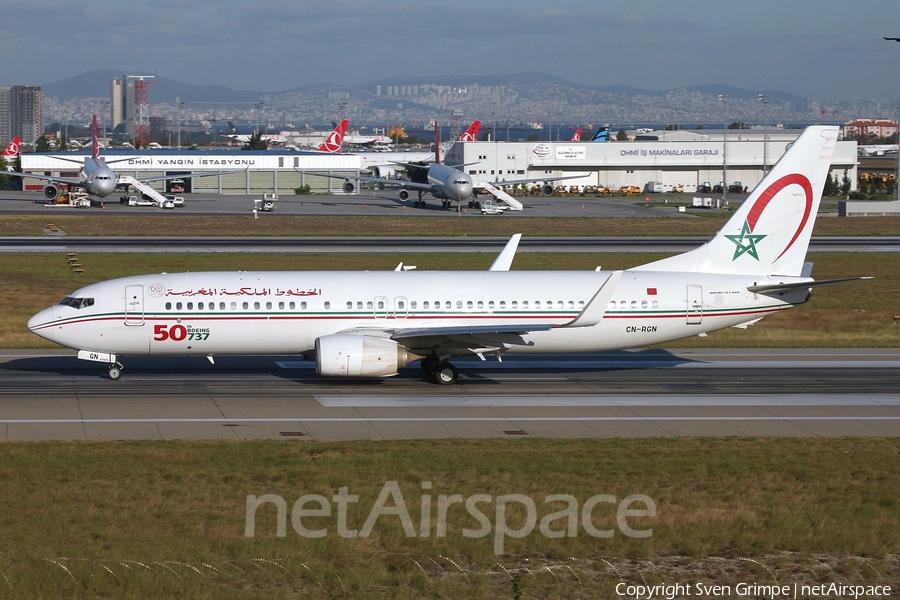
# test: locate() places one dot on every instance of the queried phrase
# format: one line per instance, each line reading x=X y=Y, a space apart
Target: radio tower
x=141 y=110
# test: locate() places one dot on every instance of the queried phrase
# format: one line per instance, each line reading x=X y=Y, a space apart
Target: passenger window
x=199 y=306
x=327 y=305
x=412 y=304
x=514 y=304
x=490 y=304
x=425 y=304
x=281 y=306
x=256 y=306
x=643 y=304
x=524 y=303
x=634 y=304
x=349 y=305
x=655 y=304
x=178 y=306
x=359 y=305
x=245 y=305
x=480 y=304
x=303 y=305
x=459 y=304
x=503 y=304
x=369 y=305
x=292 y=305
x=447 y=305
x=190 y=306
x=537 y=303
x=571 y=304
x=401 y=304
x=168 y=306
x=268 y=306
x=234 y=306
x=559 y=304
x=381 y=305
x=469 y=304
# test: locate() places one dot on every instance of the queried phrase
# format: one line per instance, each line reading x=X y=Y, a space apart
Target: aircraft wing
x=399 y=183
x=467 y=339
x=534 y=180
x=66 y=180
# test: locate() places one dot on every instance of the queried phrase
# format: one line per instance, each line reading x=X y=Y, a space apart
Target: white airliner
x=445 y=182
x=96 y=178
x=371 y=324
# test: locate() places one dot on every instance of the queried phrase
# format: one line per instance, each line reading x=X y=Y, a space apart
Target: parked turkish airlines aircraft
x=576 y=137
x=371 y=324
x=96 y=178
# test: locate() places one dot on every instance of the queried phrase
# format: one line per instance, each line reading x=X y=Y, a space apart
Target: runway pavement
x=52 y=395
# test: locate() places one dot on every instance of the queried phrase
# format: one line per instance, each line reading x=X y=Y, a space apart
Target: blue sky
x=822 y=49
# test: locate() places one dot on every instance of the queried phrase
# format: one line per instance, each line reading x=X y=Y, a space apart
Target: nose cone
x=41 y=324
x=104 y=187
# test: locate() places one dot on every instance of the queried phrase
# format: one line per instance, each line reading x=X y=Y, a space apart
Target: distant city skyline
x=825 y=49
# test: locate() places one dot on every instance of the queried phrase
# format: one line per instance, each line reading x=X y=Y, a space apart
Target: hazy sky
x=821 y=49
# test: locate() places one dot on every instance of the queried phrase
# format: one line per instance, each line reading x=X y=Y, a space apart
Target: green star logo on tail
x=745 y=242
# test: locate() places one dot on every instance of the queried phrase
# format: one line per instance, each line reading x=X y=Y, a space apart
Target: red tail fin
x=95 y=149
x=12 y=151
x=335 y=139
x=471 y=133
x=577 y=136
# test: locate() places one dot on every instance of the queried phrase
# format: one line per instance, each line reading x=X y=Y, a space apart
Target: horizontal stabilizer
x=799 y=285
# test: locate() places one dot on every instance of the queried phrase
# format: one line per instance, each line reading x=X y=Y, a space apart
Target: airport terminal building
x=685 y=159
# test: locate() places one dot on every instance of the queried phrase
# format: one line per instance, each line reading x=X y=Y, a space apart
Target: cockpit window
x=77 y=303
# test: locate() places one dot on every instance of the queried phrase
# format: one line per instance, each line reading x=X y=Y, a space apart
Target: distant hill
x=96 y=84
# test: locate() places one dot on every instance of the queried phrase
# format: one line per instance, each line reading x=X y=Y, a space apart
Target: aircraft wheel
x=445 y=374
x=114 y=371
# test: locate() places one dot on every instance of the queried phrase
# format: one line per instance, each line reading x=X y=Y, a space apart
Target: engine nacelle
x=50 y=191
x=384 y=171
x=547 y=189
x=348 y=187
x=354 y=355
x=403 y=194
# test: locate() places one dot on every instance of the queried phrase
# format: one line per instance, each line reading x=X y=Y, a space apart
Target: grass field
x=166 y=519
x=286 y=225
x=850 y=315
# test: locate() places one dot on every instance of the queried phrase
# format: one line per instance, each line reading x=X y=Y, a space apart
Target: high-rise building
x=20 y=114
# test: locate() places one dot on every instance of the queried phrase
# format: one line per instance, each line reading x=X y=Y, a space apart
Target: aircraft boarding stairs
x=144 y=189
x=501 y=195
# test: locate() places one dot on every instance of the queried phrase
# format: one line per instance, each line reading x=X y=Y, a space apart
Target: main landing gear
x=441 y=372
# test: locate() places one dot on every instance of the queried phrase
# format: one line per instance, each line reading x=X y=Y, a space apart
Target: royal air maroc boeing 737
x=371 y=324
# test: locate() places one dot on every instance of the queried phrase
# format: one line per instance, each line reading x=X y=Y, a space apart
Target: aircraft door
x=694 y=304
x=134 y=305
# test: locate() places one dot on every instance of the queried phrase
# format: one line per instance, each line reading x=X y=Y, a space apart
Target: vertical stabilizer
x=95 y=147
x=769 y=233
x=576 y=137
x=437 y=143
x=332 y=143
x=12 y=150
x=471 y=134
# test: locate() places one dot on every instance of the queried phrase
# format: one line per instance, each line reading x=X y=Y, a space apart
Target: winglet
x=596 y=308
x=504 y=260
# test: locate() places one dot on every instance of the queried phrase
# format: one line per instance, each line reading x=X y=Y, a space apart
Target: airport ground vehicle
x=489 y=207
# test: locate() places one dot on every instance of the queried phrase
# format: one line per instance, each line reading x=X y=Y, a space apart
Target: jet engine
x=50 y=191
x=547 y=189
x=348 y=187
x=403 y=194
x=354 y=355
x=383 y=171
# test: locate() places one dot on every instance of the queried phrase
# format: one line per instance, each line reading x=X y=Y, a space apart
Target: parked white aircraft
x=12 y=150
x=97 y=179
x=371 y=324
x=445 y=182
x=876 y=149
